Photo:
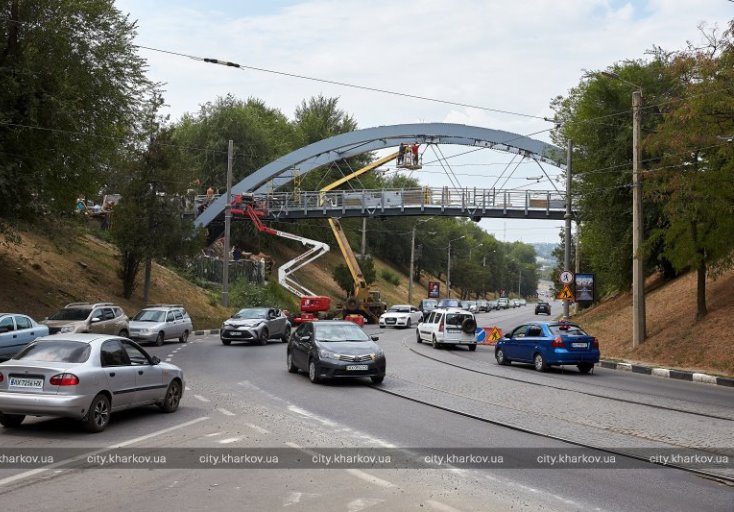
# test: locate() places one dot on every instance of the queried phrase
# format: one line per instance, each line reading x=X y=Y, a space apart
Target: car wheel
x=585 y=367
x=409 y=324
x=377 y=379
x=382 y=327
x=124 y=333
x=418 y=336
x=159 y=339
x=98 y=415
x=286 y=335
x=434 y=342
x=11 y=420
x=313 y=374
x=472 y=347
x=499 y=355
x=292 y=368
x=539 y=362
x=264 y=337
x=172 y=398
x=184 y=337
x=225 y=342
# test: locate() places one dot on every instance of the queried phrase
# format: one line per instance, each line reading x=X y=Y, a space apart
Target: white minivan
x=448 y=326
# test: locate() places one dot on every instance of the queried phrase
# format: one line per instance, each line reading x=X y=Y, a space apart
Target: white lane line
x=188 y=388
x=360 y=504
x=168 y=359
x=225 y=411
x=171 y=354
x=370 y=478
x=442 y=507
x=85 y=456
x=230 y=440
x=295 y=497
x=259 y=429
x=293 y=445
x=213 y=434
x=201 y=398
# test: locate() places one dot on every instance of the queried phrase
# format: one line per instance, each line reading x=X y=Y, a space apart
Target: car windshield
x=340 y=332
x=150 y=315
x=399 y=309
x=567 y=330
x=429 y=303
x=249 y=314
x=56 y=351
x=71 y=314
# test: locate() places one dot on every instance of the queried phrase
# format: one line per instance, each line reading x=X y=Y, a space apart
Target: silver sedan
x=86 y=377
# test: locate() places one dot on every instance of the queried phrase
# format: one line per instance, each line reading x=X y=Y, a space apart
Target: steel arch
x=358 y=142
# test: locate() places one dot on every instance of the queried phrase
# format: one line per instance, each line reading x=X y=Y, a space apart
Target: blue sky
x=506 y=55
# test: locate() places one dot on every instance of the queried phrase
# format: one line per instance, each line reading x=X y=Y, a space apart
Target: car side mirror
x=156 y=360
x=374 y=337
x=95 y=319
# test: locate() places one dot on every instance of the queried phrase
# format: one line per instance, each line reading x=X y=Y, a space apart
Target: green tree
x=694 y=180
x=74 y=92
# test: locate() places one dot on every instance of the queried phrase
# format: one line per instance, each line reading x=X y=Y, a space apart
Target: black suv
x=542 y=307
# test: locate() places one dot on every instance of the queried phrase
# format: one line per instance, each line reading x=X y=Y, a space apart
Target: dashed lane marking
x=258 y=428
x=225 y=411
x=230 y=440
x=362 y=504
x=441 y=507
x=370 y=478
x=201 y=398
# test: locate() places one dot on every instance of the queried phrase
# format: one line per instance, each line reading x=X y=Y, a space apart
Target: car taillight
x=440 y=327
x=64 y=379
x=557 y=343
x=595 y=343
x=2 y=377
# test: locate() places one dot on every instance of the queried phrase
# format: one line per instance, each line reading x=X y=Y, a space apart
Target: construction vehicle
x=243 y=205
x=365 y=302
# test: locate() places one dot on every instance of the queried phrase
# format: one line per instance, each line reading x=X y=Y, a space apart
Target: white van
x=448 y=326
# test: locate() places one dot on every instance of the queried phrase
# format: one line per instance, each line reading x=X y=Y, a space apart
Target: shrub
x=390 y=276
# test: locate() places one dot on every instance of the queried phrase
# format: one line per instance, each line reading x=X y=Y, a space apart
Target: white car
x=400 y=315
x=450 y=326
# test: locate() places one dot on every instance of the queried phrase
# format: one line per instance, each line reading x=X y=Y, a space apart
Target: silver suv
x=448 y=326
x=256 y=325
x=101 y=318
x=160 y=322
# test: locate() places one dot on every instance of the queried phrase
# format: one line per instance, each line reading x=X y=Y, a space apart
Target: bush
x=390 y=276
x=244 y=294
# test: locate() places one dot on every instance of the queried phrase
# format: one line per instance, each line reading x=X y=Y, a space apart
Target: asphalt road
x=240 y=397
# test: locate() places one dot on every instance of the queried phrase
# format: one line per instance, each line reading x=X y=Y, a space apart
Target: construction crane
x=243 y=205
x=364 y=302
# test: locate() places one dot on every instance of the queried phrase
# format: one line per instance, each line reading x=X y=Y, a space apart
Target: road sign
x=566 y=277
x=495 y=334
x=566 y=293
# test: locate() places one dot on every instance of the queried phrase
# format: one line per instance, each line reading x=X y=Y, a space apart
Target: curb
x=206 y=332
x=666 y=373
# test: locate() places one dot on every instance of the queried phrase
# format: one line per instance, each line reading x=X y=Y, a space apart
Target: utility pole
x=638 y=270
x=567 y=217
x=578 y=246
x=412 y=260
x=227 y=224
x=364 y=236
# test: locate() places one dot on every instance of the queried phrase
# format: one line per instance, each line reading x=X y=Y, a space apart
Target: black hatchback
x=542 y=307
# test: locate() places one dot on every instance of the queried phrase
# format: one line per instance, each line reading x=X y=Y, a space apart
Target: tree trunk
x=130 y=266
x=146 y=286
x=701 y=310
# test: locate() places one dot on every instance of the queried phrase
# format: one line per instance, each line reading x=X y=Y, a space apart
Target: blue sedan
x=17 y=331
x=546 y=344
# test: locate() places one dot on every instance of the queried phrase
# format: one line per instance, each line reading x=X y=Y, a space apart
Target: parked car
x=17 y=331
x=85 y=377
x=335 y=348
x=492 y=305
x=448 y=326
x=469 y=305
x=515 y=303
x=503 y=303
x=101 y=318
x=542 y=307
x=482 y=306
x=523 y=302
x=425 y=306
x=256 y=325
x=546 y=344
x=160 y=322
x=400 y=315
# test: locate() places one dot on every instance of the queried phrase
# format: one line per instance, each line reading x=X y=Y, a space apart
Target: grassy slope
x=40 y=275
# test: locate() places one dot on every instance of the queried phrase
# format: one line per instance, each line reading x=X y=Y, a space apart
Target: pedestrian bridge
x=474 y=203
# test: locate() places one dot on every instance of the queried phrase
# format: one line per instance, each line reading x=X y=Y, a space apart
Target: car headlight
x=377 y=355
x=327 y=354
x=67 y=328
x=145 y=331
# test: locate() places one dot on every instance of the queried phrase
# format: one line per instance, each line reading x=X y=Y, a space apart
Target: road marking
x=370 y=478
x=360 y=504
x=225 y=411
x=259 y=429
x=201 y=398
x=295 y=497
x=188 y=388
x=442 y=507
x=213 y=434
x=171 y=355
x=293 y=445
x=85 y=456
x=230 y=440
x=168 y=359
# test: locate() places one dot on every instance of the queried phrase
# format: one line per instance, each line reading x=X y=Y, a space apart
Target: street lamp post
x=519 y=280
x=476 y=247
x=638 y=270
x=448 y=269
x=412 y=259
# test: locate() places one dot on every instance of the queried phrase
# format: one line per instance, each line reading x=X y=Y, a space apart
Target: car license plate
x=235 y=333
x=357 y=367
x=578 y=345
x=26 y=383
